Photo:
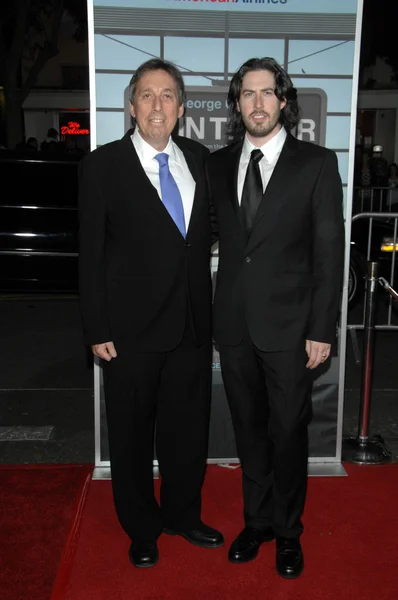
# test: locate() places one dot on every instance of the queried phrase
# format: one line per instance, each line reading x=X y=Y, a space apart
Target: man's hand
x=317 y=353
x=106 y=351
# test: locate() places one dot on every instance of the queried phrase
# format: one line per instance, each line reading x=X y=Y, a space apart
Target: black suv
x=38 y=222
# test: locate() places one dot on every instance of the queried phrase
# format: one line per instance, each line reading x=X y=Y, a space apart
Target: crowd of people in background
x=51 y=146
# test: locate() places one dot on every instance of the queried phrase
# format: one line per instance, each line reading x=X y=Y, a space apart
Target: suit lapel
x=279 y=185
x=231 y=176
x=133 y=174
x=193 y=167
x=136 y=180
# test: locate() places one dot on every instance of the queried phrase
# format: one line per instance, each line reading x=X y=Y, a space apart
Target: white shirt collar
x=270 y=149
x=146 y=152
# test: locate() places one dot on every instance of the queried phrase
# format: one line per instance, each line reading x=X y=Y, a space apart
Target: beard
x=260 y=130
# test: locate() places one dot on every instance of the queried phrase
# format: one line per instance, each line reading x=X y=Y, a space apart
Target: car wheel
x=356 y=278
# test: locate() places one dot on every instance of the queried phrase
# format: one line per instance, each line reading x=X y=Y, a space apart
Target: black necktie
x=252 y=190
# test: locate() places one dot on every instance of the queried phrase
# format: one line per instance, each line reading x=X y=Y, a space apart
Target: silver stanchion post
x=362 y=449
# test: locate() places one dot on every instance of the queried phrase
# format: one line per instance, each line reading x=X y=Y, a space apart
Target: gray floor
x=46 y=380
x=46 y=384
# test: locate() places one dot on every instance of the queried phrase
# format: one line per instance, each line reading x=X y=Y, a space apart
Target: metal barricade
x=375 y=199
x=378 y=245
x=362 y=448
x=377 y=241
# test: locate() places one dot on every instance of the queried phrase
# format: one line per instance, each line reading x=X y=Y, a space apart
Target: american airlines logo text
x=236 y=1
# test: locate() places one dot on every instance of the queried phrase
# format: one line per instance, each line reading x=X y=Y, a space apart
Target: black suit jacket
x=283 y=282
x=139 y=278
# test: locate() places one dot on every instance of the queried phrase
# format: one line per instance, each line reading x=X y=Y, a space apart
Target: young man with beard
x=278 y=204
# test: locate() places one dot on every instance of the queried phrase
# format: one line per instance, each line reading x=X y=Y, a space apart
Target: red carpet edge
x=71 y=544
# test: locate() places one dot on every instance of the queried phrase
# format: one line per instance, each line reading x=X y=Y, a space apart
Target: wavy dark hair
x=284 y=90
x=157 y=64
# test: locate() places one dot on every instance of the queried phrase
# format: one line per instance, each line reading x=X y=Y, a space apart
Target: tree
x=379 y=28
x=29 y=33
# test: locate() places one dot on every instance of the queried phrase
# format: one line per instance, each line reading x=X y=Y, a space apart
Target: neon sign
x=73 y=128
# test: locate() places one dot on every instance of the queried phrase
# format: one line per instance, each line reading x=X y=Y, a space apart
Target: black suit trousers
x=161 y=397
x=269 y=395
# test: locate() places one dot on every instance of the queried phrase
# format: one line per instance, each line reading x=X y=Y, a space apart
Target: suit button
x=188 y=245
x=248 y=259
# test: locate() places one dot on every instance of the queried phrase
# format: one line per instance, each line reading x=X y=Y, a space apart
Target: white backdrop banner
x=317 y=42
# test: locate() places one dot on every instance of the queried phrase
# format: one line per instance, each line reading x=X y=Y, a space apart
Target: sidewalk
x=46 y=382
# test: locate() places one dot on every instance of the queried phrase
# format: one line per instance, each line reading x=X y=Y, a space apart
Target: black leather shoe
x=247 y=544
x=289 y=557
x=144 y=554
x=203 y=535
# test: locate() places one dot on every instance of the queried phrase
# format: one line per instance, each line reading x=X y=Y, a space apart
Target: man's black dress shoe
x=247 y=544
x=143 y=554
x=289 y=557
x=202 y=535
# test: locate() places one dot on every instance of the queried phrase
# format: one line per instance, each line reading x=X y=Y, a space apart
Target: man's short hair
x=157 y=64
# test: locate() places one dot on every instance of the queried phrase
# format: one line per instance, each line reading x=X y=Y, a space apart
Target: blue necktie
x=171 y=196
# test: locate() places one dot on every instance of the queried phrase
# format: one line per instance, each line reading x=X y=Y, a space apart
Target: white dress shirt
x=271 y=151
x=177 y=165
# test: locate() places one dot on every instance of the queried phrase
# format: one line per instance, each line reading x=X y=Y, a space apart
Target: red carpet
x=350 y=547
x=37 y=506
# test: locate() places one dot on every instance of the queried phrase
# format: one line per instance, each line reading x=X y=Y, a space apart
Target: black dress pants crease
x=269 y=394
x=166 y=392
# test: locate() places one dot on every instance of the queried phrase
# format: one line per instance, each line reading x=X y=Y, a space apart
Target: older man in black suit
x=278 y=204
x=145 y=286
